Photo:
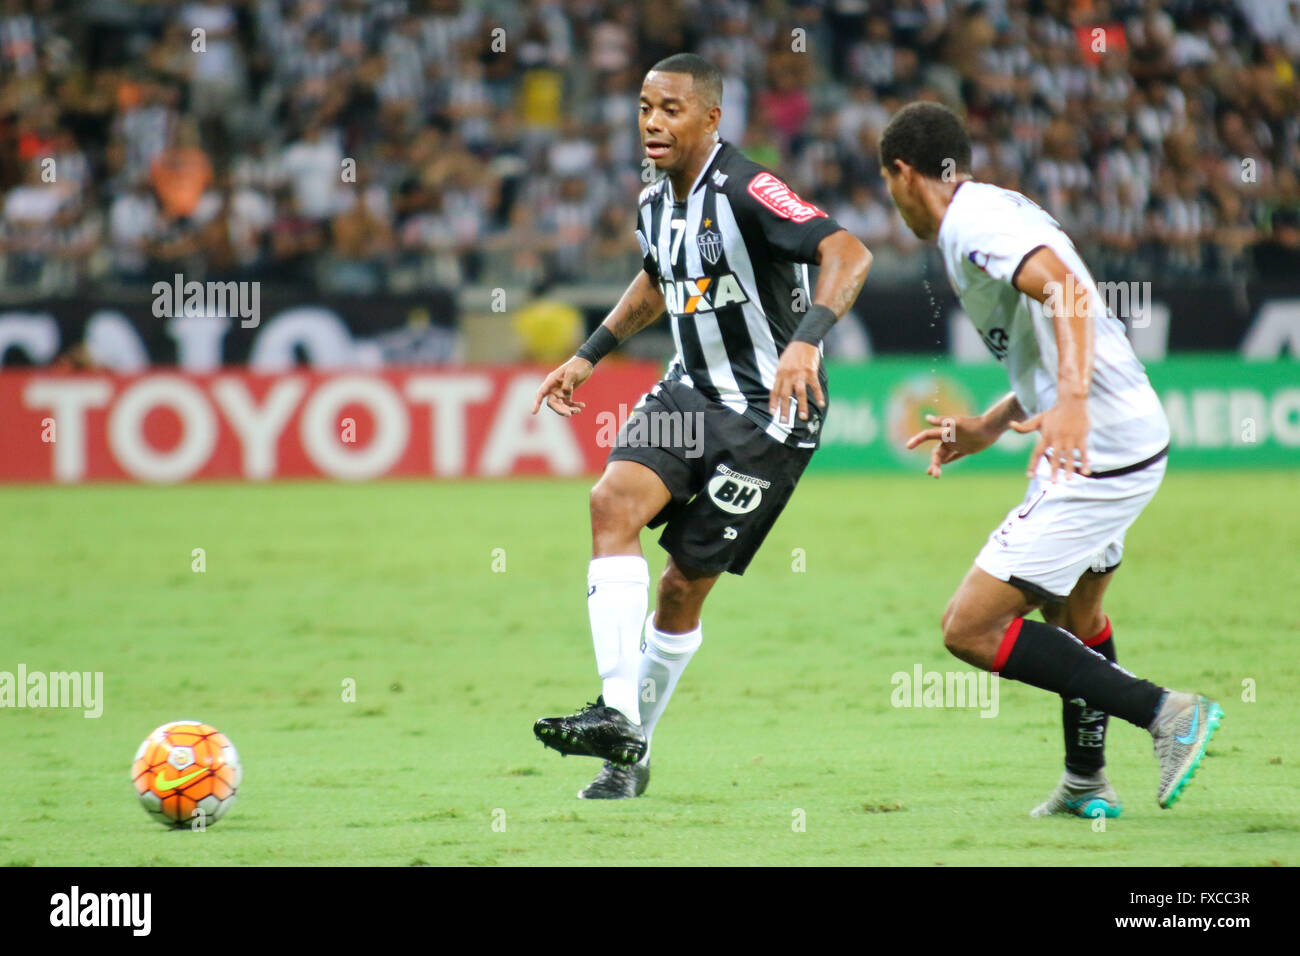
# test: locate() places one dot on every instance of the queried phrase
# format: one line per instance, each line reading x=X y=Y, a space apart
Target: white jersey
x=985 y=235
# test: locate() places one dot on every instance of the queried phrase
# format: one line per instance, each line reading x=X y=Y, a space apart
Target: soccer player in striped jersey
x=1098 y=460
x=726 y=249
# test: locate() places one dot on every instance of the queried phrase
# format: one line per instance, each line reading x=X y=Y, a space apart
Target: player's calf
x=972 y=641
x=976 y=619
x=681 y=597
x=1047 y=657
x=1084 y=727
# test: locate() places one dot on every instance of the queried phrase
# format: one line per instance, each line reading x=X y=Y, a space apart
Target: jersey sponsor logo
x=736 y=493
x=653 y=190
x=734 y=497
x=719 y=178
x=710 y=244
x=706 y=294
x=781 y=199
x=761 y=482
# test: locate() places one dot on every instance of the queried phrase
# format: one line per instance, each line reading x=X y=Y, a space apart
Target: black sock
x=1085 y=727
x=1053 y=659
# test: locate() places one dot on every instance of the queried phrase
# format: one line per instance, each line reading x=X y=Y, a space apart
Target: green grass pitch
x=780 y=747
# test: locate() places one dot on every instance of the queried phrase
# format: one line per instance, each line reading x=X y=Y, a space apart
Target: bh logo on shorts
x=735 y=493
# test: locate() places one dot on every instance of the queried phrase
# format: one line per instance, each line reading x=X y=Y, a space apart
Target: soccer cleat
x=617 y=782
x=594 y=731
x=1180 y=733
x=1096 y=800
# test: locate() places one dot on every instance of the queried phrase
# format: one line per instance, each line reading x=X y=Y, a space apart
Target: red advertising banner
x=169 y=426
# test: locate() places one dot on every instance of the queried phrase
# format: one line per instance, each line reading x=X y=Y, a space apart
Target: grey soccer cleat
x=1098 y=799
x=617 y=782
x=1180 y=734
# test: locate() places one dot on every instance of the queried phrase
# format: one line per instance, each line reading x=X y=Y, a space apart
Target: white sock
x=618 y=591
x=662 y=662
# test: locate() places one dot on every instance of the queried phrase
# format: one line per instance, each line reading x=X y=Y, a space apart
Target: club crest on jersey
x=735 y=493
x=781 y=199
x=710 y=244
x=705 y=294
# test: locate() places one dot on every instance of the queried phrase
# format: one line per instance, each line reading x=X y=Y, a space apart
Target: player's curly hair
x=925 y=135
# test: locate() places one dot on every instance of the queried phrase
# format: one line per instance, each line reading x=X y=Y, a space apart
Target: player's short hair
x=925 y=135
x=706 y=77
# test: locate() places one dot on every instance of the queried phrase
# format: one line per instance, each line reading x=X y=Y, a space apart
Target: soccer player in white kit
x=1099 y=458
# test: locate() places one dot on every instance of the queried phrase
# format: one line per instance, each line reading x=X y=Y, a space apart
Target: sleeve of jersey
x=998 y=252
x=647 y=259
x=792 y=227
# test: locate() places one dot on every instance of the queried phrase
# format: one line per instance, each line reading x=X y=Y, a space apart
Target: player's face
x=675 y=124
x=905 y=189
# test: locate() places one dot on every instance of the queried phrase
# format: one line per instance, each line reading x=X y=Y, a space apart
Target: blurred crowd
x=366 y=145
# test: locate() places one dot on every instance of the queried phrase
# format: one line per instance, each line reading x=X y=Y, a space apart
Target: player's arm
x=966 y=434
x=640 y=304
x=844 y=263
x=1064 y=427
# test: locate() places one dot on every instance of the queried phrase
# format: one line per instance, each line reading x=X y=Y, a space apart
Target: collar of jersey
x=948 y=212
x=699 y=180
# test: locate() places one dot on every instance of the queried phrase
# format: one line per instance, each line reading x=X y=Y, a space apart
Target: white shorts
x=1046 y=543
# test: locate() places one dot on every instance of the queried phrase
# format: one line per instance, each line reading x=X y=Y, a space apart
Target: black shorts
x=729 y=480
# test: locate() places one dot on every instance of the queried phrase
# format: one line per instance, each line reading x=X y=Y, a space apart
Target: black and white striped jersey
x=732 y=261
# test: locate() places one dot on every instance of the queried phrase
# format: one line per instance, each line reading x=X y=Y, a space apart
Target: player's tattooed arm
x=844 y=263
x=1064 y=427
x=640 y=305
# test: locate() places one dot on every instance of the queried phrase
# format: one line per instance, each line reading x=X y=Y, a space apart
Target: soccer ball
x=186 y=774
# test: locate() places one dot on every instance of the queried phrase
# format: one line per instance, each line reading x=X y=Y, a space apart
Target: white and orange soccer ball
x=186 y=774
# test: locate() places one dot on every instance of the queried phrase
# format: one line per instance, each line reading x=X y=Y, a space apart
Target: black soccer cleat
x=594 y=731
x=617 y=782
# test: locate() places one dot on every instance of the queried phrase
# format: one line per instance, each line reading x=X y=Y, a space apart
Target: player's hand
x=557 y=390
x=795 y=374
x=957 y=438
x=1064 y=429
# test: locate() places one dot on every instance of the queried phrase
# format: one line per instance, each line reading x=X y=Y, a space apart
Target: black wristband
x=817 y=321
x=601 y=343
